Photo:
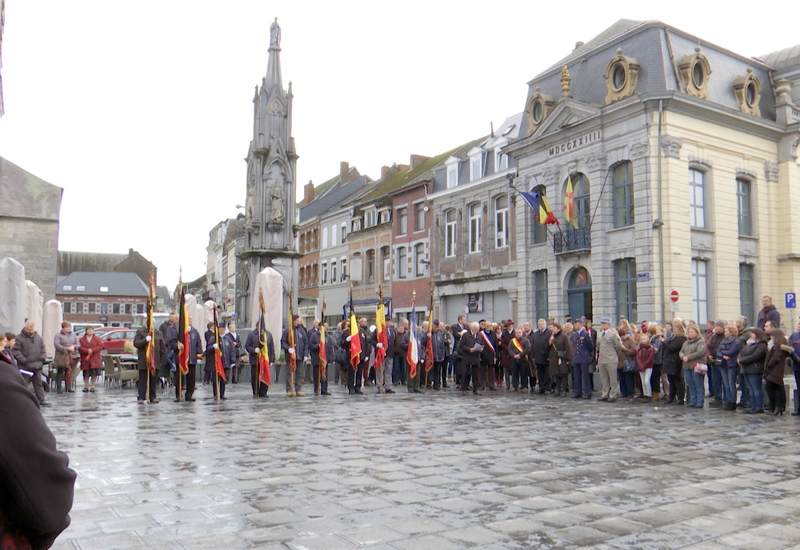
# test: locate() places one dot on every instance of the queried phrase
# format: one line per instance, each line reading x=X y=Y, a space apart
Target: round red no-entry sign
x=674 y=296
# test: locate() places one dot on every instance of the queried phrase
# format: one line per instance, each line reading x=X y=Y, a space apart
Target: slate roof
x=651 y=43
x=27 y=196
x=402 y=178
x=119 y=284
x=332 y=195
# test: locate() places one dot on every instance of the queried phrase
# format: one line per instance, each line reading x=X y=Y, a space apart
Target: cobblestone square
x=410 y=471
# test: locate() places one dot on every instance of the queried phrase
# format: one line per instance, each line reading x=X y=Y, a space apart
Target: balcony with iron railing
x=573 y=240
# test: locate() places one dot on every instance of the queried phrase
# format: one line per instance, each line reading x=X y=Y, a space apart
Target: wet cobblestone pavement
x=435 y=471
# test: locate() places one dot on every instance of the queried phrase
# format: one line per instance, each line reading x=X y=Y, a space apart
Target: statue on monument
x=278 y=206
x=275 y=34
x=251 y=199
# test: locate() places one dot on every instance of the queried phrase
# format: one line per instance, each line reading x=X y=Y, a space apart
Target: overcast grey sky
x=142 y=110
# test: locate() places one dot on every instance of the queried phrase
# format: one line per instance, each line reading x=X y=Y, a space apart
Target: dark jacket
x=487 y=355
x=560 y=355
x=366 y=343
x=540 y=347
x=729 y=347
x=439 y=346
x=465 y=345
x=584 y=348
x=315 y=343
x=671 y=355
x=658 y=346
x=195 y=344
x=776 y=364
x=752 y=358
x=712 y=345
x=526 y=349
x=29 y=351
x=252 y=343
x=794 y=341
x=399 y=344
x=7 y=355
x=225 y=348
x=389 y=349
x=769 y=313
x=230 y=353
x=36 y=484
x=505 y=340
x=140 y=343
x=300 y=343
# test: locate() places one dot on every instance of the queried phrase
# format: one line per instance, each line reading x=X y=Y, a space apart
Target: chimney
x=416 y=160
x=344 y=169
x=308 y=193
x=384 y=171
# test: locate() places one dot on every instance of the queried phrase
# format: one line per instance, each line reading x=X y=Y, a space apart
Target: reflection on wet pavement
x=433 y=471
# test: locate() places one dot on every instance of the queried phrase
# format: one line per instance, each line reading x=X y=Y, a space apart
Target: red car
x=114 y=340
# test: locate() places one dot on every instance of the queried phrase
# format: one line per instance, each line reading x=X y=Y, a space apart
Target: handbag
x=699 y=368
x=717 y=362
x=629 y=365
x=61 y=360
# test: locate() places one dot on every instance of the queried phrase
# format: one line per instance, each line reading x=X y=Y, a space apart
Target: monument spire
x=274 y=65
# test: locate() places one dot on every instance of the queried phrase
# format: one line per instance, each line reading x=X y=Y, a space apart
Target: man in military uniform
x=583 y=357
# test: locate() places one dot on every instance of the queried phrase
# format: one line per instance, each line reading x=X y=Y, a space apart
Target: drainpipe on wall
x=659 y=223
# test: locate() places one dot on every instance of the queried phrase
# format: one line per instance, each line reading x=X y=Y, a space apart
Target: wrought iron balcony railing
x=572 y=240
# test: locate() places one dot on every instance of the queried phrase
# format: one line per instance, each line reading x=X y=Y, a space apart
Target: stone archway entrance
x=579 y=293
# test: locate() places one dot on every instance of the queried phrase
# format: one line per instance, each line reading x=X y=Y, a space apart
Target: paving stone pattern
x=414 y=472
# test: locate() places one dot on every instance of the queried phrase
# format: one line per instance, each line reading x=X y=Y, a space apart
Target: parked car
x=80 y=328
x=118 y=340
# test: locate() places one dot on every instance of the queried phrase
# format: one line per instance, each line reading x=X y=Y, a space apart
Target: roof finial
x=275 y=34
x=565 y=83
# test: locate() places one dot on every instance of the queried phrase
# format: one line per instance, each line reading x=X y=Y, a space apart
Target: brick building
x=110 y=298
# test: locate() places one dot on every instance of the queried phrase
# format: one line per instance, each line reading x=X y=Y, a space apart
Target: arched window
x=580 y=196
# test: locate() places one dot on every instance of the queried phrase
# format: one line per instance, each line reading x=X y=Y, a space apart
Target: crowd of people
x=734 y=365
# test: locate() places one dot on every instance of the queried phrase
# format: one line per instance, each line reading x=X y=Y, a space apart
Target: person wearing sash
x=518 y=349
x=489 y=341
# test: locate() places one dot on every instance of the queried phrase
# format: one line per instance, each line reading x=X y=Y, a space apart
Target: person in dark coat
x=227 y=355
x=36 y=483
x=768 y=313
x=778 y=352
x=671 y=364
x=300 y=353
x=315 y=344
x=583 y=357
x=253 y=347
x=727 y=353
x=487 y=356
x=355 y=376
x=794 y=341
x=540 y=348
x=140 y=342
x=470 y=357
x=519 y=349
x=439 y=355
x=560 y=357
x=195 y=350
x=458 y=330
x=234 y=344
x=169 y=359
x=751 y=359
x=30 y=355
x=505 y=357
x=399 y=342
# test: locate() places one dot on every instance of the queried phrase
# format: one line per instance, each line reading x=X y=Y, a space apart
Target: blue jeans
x=715 y=383
x=729 y=383
x=694 y=383
x=626 y=383
x=754 y=389
x=742 y=382
x=582 y=379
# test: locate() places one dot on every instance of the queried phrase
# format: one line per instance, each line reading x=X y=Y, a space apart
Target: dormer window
x=80 y=288
x=538 y=107
x=103 y=289
x=369 y=218
x=475 y=164
x=452 y=171
x=622 y=74
x=500 y=160
x=747 y=90
x=67 y=288
x=695 y=71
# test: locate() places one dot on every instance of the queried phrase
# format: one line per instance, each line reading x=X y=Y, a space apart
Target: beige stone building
x=683 y=159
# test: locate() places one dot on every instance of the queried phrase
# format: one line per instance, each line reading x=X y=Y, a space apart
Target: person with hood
x=751 y=360
x=727 y=353
x=30 y=355
x=768 y=313
x=693 y=354
x=778 y=351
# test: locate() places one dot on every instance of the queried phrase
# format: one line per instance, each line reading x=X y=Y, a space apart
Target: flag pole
x=294 y=343
x=179 y=374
